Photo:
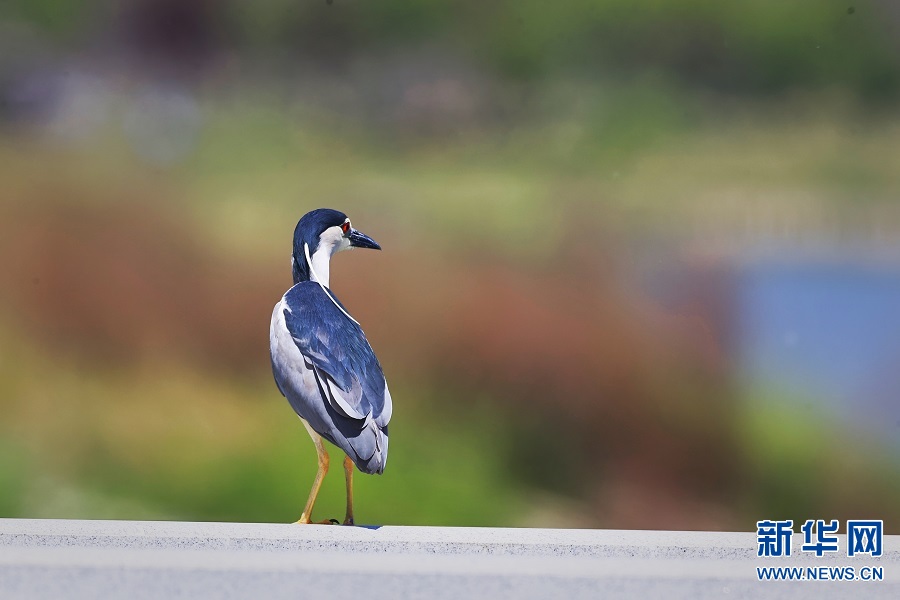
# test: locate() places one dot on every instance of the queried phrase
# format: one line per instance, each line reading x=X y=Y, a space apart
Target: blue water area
x=825 y=331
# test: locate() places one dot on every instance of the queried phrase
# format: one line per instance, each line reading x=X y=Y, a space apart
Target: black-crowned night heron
x=321 y=359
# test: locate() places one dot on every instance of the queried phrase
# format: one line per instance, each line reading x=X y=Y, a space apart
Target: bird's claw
x=325 y=522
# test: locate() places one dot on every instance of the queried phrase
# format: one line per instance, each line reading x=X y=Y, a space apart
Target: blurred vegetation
x=761 y=47
x=536 y=381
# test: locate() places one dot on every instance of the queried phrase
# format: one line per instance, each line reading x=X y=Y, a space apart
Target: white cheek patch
x=341 y=241
x=331 y=242
x=330 y=239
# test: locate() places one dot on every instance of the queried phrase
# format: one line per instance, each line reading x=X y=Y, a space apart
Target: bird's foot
x=348 y=521
x=304 y=520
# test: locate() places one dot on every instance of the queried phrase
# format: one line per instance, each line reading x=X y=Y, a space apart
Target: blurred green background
x=641 y=264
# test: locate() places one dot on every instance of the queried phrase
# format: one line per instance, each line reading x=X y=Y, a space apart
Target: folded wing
x=335 y=348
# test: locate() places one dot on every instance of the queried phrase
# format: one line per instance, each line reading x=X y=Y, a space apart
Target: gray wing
x=340 y=354
x=352 y=405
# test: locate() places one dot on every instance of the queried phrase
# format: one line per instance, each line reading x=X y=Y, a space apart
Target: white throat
x=322 y=260
x=319 y=264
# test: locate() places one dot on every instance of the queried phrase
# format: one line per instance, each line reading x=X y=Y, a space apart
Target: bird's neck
x=320 y=270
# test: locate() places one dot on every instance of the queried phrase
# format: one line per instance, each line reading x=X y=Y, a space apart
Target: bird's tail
x=372 y=443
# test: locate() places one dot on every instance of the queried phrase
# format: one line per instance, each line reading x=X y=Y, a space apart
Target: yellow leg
x=320 y=475
x=348 y=475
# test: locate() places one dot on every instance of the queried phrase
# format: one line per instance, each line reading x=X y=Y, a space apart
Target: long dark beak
x=360 y=240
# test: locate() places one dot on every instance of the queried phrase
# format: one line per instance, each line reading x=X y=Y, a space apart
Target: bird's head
x=320 y=234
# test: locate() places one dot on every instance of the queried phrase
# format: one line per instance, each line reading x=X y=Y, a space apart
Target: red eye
x=345 y=227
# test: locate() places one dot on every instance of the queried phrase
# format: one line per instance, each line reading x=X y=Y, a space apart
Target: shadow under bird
x=321 y=359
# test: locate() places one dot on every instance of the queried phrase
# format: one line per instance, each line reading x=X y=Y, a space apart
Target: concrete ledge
x=89 y=559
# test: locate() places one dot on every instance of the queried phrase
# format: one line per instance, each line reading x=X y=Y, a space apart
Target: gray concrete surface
x=131 y=559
